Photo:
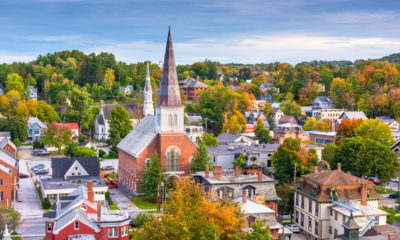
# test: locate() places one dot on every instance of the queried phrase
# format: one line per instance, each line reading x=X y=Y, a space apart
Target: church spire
x=148 y=108
x=169 y=87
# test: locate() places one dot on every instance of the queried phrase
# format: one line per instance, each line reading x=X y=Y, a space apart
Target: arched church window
x=175 y=123
x=173 y=159
x=147 y=163
x=170 y=120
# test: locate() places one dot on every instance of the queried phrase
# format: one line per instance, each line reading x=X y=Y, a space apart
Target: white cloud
x=11 y=59
x=284 y=47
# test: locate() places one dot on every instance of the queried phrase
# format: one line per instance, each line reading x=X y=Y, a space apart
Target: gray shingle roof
x=190 y=82
x=140 y=137
x=8 y=158
x=227 y=137
x=61 y=165
x=33 y=120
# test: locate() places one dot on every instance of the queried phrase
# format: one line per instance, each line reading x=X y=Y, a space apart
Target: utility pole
x=295 y=167
x=158 y=194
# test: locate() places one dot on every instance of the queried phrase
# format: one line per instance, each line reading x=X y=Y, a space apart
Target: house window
x=331 y=212
x=175 y=122
x=296 y=216
x=310 y=206
x=113 y=232
x=297 y=199
x=250 y=220
x=302 y=201
x=170 y=120
x=250 y=190
x=309 y=224
x=173 y=159
x=336 y=233
x=330 y=230
x=49 y=227
x=83 y=207
x=147 y=163
x=302 y=220
x=316 y=228
x=1 y=196
x=344 y=218
x=124 y=231
x=76 y=225
x=336 y=214
x=1 y=181
x=316 y=209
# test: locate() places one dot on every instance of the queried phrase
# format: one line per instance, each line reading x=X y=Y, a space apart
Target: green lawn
x=142 y=203
x=382 y=190
x=114 y=206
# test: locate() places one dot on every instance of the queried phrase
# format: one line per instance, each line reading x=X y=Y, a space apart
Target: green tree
x=375 y=130
x=259 y=232
x=16 y=126
x=286 y=194
x=290 y=107
x=57 y=136
x=209 y=139
x=120 y=125
x=366 y=157
x=200 y=158
x=152 y=177
x=289 y=156
x=80 y=110
x=82 y=151
x=201 y=69
x=109 y=78
x=328 y=153
x=15 y=82
x=239 y=160
x=262 y=134
x=46 y=203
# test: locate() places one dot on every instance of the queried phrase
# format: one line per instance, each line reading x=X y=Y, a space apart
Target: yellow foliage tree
x=109 y=78
x=191 y=215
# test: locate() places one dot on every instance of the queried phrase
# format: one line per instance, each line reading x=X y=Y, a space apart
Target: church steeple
x=169 y=87
x=148 y=108
x=169 y=109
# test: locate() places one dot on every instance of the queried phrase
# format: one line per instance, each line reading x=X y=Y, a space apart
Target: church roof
x=140 y=137
x=169 y=87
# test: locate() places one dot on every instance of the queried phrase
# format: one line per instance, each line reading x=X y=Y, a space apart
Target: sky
x=240 y=31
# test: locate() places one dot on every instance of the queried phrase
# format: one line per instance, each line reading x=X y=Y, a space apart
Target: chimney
x=217 y=172
x=98 y=211
x=244 y=196
x=390 y=237
x=197 y=78
x=259 y=175
x=339 y=167
x=364 y=192
x=207 y=172
x=237 y=170
x=90 y=193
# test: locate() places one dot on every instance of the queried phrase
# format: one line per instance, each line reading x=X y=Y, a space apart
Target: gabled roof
x=72 y=126
x=275 y=110
x=6 y=141
x=228 y=137
x=353 y=115
x=251 y=207
x=140 y=137
x=34 y=120
x=72 y=215
x=8 y=158
x=193 y=83
x=60 y=166
x=286 y=119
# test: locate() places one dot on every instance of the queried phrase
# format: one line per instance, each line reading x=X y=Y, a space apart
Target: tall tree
x=366 y=157
x=80 y=109
x=200 y=158
x=262 y=134
x=152 y=177
x=109 y=78
x=57 y=136
x=120 y=125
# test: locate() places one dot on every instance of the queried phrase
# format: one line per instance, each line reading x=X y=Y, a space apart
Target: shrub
x=82 y=138
x=141 y=219
x=46 y=203
x=38 y=144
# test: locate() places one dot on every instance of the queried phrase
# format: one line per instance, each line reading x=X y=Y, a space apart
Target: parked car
x=394 y=195
x=42 y=172
x=42 y=153
x=23 y=175
x=104 y=168
x=395 y=180
x=294 y=228
x=38 y=167
x=375 y=180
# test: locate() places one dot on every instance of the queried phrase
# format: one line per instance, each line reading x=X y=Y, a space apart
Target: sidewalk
x=122 y=200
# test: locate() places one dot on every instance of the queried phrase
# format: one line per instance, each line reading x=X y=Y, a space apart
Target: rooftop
x=229 y=177
x=60 y=183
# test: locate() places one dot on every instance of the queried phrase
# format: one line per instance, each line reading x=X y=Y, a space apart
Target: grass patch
x=113 y=206
x=396 y=218
x=383 y=190
x=143 y=203
x=111 y=203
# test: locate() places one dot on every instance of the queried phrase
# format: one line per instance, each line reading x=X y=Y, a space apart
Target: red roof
x=72 y=126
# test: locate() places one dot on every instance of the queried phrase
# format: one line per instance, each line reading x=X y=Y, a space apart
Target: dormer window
x=76 y=225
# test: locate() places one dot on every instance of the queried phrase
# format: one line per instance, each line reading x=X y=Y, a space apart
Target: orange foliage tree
x=347 y=128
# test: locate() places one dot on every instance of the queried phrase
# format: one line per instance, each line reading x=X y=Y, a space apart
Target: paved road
x=121 y=199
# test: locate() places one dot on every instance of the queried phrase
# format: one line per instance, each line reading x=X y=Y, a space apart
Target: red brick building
x=9 y=146
x=192 y=88
x=162 y=134
x=77 y=216
x=8 y=178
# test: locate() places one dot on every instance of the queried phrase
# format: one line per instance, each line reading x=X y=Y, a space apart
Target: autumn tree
x=109 y=78
x=200 y=158
x=262 y=134
x=376 y=130
x=191 y=215
x=11 y=217
x=314 y=124
x=290 y=107
x=57 y=135
x=366 y=157
x=291 y=156
x=347 y=128
x=234 y=122
x=15 y=82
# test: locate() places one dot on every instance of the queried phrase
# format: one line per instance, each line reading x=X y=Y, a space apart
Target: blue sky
x=243 y=31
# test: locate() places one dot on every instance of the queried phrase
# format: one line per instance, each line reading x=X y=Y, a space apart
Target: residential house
x=102 y=126
x=277 y=113
x=252 y=117
x=163 y=133
x=193 y=119
x=192 y=87
x=268 y=88
x=323 y=102
x=288 y=130
x=393 y=124
x=8 y=178
x=32 y=92
x=9 y=146
x=351 y=115
x=74 y=127
x=127 y=89
x=255 y=193
x=35 y=128
x=78 y=216
x=70 y=173
x=258 y=105
x=194 y=132
x=320 y=137
x=234 y=139
x=326 y=199
x=287 y=119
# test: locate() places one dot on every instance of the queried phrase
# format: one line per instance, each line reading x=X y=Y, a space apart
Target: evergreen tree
x=152 y=177
x=200 y=158
x=262 y=134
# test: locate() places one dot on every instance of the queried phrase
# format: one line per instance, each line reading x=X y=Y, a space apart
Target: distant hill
x=394 y=58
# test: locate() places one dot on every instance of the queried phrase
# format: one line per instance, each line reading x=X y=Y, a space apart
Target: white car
x=395 y=180
x=294 y=228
